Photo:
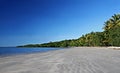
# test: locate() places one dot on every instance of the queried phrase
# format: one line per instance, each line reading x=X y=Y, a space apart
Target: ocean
x=8 y=51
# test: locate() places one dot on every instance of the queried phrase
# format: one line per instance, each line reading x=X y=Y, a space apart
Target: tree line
x=109 y=37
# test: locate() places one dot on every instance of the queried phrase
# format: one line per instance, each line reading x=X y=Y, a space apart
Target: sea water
x=8 y=51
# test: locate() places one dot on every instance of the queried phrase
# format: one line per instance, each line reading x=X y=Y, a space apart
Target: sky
x=40 y=21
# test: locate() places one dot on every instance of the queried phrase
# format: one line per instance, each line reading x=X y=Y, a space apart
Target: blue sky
x=40 y=21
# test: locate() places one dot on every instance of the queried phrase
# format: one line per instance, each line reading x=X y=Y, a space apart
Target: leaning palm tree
x=114 y=21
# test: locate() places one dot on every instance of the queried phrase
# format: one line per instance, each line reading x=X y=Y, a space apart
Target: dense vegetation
x=109 y=37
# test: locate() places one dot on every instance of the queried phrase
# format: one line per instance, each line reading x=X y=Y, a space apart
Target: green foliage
x=112 y=31
x=109 y=37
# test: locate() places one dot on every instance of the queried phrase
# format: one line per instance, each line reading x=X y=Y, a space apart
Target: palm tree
x=114 y=21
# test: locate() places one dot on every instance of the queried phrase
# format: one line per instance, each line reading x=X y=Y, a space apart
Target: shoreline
x=14 y=51
x=9 y=55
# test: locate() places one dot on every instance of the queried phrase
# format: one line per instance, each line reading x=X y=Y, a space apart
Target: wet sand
x=72 y=60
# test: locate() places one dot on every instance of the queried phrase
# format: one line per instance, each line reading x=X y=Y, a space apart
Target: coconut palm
x=114 y=21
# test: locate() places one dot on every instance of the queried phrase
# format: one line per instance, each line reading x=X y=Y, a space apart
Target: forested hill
x=109 y=37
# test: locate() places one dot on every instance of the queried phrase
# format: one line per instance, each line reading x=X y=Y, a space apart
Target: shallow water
x=7 y=51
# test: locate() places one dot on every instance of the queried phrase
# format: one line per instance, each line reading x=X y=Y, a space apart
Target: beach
x=71 y=60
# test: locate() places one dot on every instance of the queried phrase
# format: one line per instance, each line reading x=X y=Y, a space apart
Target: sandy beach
x=72 y=60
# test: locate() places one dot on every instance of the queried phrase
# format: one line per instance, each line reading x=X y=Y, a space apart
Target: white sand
x=73 y=60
